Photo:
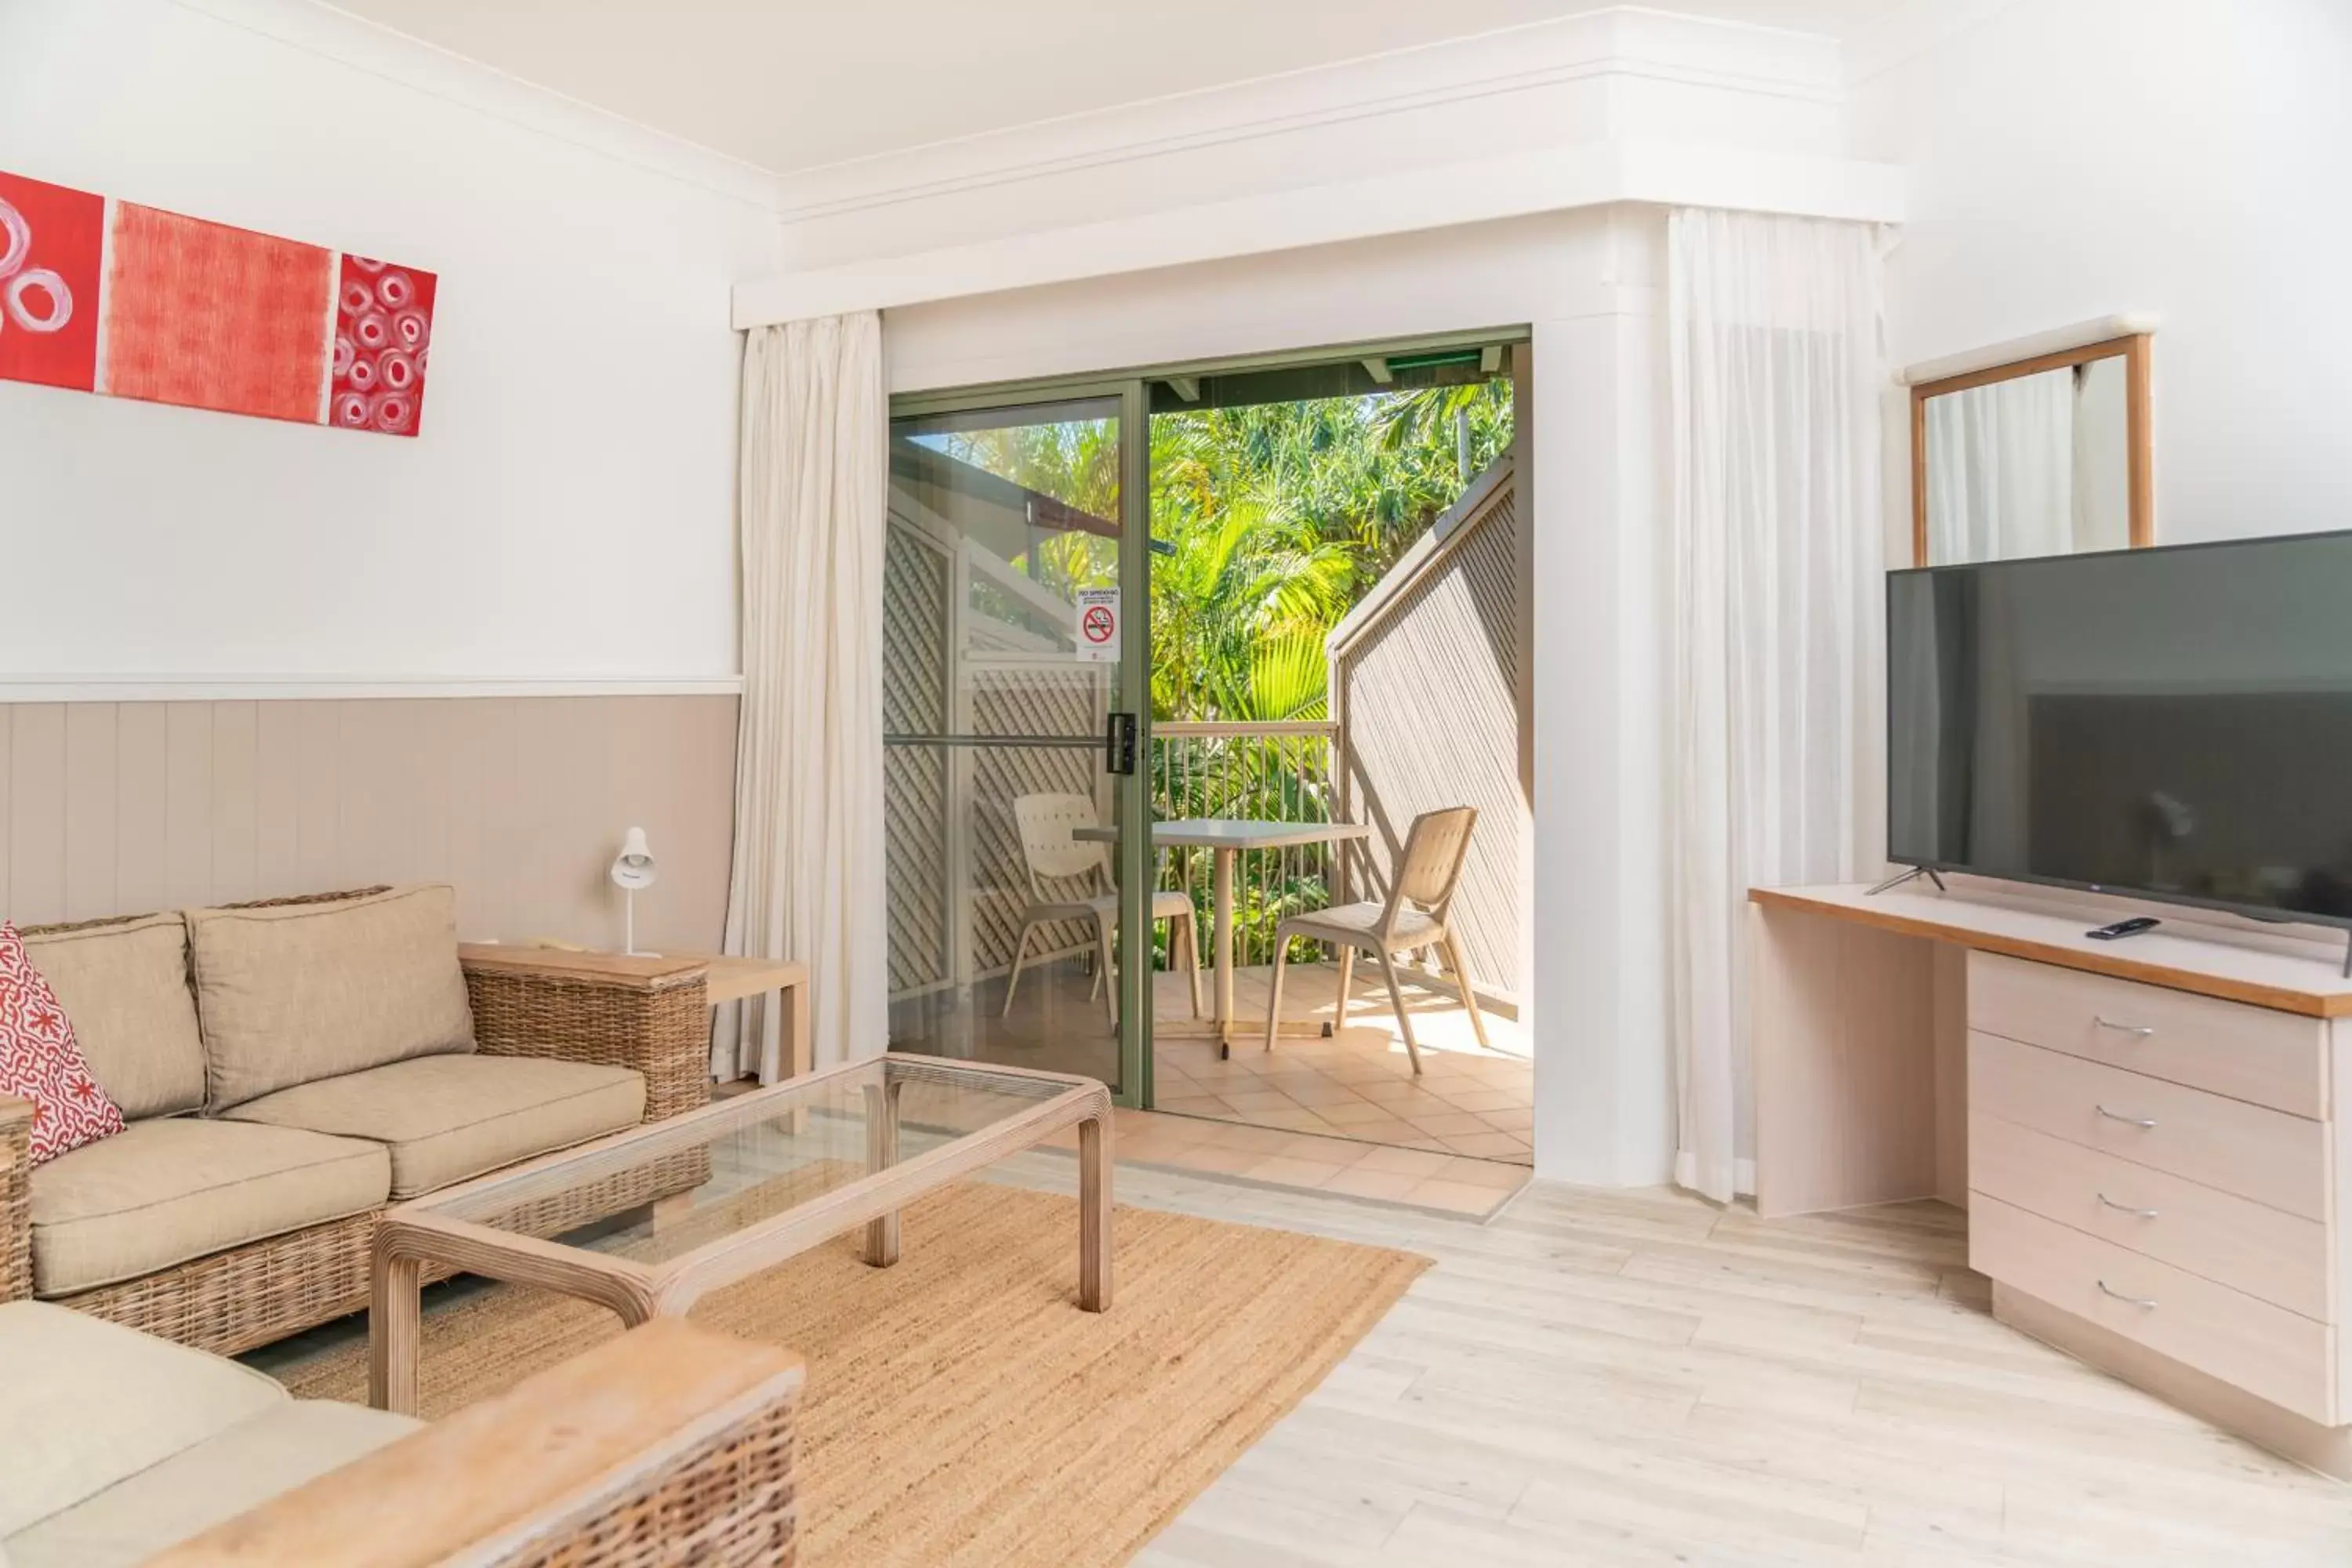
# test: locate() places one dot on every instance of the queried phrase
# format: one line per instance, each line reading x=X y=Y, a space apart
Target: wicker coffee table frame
x=418 y=1237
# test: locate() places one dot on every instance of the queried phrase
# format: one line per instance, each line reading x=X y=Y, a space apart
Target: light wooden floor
x=1630 y=1379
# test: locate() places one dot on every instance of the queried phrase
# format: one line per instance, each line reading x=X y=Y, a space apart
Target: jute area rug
x=960 y=1408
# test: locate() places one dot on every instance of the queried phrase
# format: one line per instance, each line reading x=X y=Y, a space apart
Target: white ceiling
x=792 y=84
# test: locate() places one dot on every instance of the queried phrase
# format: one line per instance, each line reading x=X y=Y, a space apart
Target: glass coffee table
x=648 y=1220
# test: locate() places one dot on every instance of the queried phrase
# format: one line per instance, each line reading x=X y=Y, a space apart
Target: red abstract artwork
x=50 y=240
x=212 y=317
x=133 y=301
x=383 y=335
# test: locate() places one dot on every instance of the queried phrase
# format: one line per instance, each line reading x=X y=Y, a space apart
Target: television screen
x=2172 y=723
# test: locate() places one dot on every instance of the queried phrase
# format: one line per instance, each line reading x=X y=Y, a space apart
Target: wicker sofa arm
x=16 y=1199
x=652 y=1014
x=670 y=1444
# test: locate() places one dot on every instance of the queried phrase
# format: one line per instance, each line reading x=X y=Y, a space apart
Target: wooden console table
x=2149 y=1136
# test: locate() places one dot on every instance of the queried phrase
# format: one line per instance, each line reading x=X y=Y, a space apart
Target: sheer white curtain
x=1776 y=551
x=808 y=871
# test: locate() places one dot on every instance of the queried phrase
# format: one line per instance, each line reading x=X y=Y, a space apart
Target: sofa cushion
x=293 y=992
x=448 y=1118
x=200 y=1487
x=87 y=1403
x=125 y=986
x=164 y=1191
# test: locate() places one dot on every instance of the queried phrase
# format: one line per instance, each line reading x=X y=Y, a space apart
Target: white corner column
x=1598 y=993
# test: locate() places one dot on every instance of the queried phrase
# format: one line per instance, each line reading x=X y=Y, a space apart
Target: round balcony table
x=1227 y=837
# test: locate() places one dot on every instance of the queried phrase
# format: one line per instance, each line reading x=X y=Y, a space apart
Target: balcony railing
x=1264 y=772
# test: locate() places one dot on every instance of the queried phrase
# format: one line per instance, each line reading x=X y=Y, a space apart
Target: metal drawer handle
x=2136 y=1031
x=2126 y=1208
x=2134 y=1121
x=2144 y=1303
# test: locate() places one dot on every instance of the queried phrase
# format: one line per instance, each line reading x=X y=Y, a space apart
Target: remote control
x=2132 y=927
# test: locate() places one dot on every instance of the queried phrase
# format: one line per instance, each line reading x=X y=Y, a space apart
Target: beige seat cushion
x=85 y=1404
x=448 y=1118
x=125 y=987
x=198 y=1487
x=296 y=992
x=161 y=1191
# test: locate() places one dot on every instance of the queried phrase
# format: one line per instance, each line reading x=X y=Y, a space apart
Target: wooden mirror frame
x=2132 y=348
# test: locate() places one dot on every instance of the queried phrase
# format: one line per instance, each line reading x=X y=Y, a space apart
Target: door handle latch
x=1118 y=744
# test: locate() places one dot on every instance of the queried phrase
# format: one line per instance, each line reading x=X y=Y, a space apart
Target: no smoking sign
x=1098 y=637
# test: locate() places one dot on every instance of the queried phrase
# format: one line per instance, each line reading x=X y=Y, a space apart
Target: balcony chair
x=1411 y=916
x=1047 y=823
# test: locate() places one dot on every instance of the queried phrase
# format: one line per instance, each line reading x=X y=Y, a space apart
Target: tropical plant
x=1275 y=517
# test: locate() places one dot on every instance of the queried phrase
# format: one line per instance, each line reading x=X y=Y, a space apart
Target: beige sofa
x=667 y=1445
x=285 y=1071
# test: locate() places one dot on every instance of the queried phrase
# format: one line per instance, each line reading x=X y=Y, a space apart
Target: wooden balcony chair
x=1047 y=823
x=1411 y=916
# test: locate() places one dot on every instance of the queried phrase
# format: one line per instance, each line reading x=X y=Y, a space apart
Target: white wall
x=2069 y=159
x=1586 y=284
x=567 y=512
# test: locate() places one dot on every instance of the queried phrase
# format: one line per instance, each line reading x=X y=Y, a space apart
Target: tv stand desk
x=2148 y=1135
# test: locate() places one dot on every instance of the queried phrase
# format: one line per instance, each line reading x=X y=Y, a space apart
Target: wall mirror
x=2044 y=456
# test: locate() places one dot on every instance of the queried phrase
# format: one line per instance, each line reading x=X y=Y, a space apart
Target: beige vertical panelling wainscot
x=520 y=802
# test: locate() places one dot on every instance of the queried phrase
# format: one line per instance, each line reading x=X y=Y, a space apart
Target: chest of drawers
x=2167 y=1166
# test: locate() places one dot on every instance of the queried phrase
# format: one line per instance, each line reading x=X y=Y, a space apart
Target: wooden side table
x=740 y=979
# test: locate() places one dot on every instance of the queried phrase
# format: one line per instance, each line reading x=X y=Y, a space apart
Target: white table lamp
x=633 y=869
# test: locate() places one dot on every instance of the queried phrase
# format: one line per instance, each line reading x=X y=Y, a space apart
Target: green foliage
x=1281 y=516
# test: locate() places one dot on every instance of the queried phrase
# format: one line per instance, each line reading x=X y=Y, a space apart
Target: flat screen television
x=2172 y=724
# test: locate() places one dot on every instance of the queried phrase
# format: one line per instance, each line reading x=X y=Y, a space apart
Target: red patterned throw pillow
x=40 y=1061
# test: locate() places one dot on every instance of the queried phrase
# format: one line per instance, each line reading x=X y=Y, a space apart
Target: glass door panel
x=1002 y=622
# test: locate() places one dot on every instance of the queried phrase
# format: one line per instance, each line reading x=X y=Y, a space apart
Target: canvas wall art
x=132 y=301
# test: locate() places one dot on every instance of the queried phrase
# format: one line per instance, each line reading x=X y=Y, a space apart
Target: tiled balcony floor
x=1343 y=1114
x=1357 y=1083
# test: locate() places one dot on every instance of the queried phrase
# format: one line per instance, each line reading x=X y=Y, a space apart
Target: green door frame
x=1137 y=862
x=1131 y=792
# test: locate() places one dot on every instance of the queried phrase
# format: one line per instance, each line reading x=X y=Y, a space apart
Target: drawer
x=2267 y=1254
x=2278 y=1059
x=2267 y=1350
x=2249 y=1150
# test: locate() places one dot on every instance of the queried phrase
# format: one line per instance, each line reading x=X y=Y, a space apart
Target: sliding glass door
x=1014 y=664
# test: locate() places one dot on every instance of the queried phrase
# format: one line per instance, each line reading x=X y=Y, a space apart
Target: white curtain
x=1776 y=547
x=2000 y=469
x=808 y=871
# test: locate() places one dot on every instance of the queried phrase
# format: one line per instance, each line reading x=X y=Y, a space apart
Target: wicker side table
x=651 y=1015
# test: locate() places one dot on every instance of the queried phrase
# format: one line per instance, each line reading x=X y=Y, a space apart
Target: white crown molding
x=316 y=27
x=1443 y=197
x=1621 y=40
x=2057 y=340
x=330 y=687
